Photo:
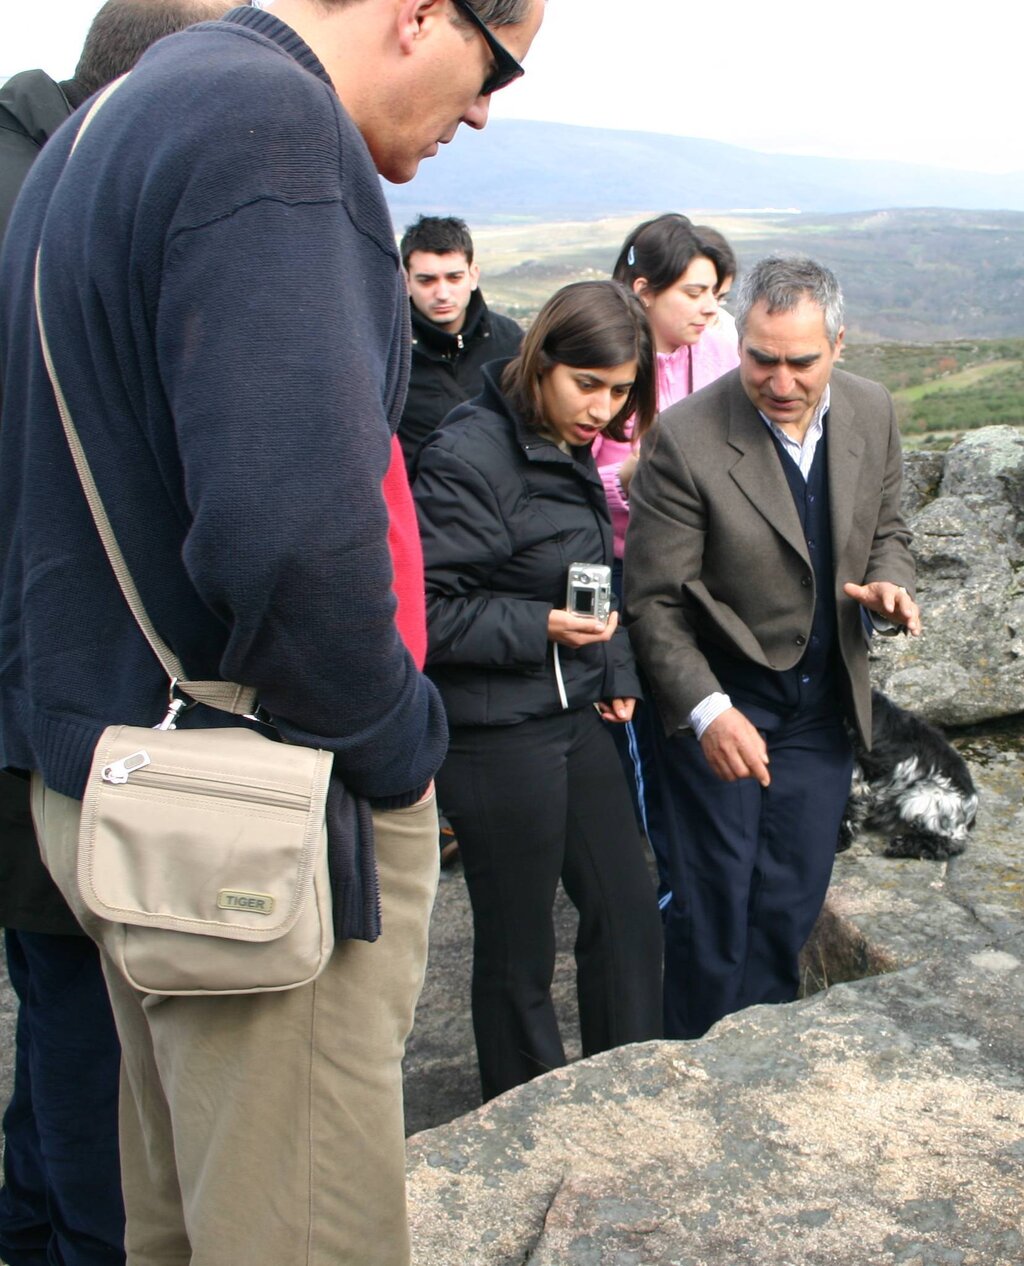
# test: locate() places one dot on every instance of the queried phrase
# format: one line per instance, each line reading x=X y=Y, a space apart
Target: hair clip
x=631 y=256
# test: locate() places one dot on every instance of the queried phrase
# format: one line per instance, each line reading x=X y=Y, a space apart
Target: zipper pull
x=118 y=771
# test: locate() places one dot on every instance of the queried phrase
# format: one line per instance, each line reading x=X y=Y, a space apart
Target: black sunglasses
x=506 y=69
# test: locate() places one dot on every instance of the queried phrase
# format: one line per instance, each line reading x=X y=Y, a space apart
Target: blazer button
x=800 y=639
x=806 y=582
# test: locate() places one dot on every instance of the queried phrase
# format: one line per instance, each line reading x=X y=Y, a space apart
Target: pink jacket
x=714 y=355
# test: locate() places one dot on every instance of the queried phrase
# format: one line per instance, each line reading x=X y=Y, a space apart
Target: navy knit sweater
x=226 y=312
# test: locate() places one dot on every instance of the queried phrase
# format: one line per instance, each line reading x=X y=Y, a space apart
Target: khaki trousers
x=267 y=1129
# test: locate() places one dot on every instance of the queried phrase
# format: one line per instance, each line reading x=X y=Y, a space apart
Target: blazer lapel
x=758 y=473
x=845 y=453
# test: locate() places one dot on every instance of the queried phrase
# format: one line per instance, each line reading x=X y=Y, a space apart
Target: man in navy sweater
x=229 y=324
x=61 y=1198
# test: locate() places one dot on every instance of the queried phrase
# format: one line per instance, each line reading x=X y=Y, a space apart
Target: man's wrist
x=708 y=710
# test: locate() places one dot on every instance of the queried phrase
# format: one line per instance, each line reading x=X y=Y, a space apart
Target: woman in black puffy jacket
x=508 y=498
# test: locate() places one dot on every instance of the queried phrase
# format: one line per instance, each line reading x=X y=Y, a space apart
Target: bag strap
x=225 y=695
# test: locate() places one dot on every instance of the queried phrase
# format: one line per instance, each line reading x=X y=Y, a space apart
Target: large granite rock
x=968 y=523
x=877 y=1121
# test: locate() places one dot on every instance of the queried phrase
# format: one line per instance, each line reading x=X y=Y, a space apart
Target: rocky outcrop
x=967 y=513
x=877 y=1121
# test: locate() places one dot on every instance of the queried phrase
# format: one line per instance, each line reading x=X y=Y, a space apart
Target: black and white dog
x=913 y=787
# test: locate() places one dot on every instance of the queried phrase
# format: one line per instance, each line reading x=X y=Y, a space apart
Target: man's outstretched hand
x=890 y=601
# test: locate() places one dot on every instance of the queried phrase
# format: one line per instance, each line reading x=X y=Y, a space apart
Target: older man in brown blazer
x=765 y=539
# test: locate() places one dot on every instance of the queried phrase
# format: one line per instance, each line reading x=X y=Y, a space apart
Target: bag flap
x=215 y=831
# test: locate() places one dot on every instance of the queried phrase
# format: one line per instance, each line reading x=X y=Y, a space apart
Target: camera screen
x=583 y=601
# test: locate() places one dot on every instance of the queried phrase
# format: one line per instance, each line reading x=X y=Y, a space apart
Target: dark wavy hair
x=587 y=325
x=660 y=251
x=716 y=247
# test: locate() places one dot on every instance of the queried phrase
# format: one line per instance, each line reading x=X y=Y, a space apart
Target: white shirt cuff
x=706 y=711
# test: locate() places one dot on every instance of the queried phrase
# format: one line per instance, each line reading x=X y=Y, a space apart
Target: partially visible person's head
x=431 y=65
x=437 y=252
x=789 y=316
x=122 y=30
x=716 y=247
x=664 y=263
x=588 y=356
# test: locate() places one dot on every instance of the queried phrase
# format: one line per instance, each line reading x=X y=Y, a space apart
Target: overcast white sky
x=931 y=83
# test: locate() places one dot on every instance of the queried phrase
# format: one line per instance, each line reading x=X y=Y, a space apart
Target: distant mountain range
x=517 y=170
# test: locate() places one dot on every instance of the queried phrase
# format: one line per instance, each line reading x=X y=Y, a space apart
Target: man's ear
x=414 y=19
x=474 y=275
x=839 y=343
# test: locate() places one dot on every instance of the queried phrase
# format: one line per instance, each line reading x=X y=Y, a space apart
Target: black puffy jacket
x=447 y=369
x=32 y=108
x=503 y=513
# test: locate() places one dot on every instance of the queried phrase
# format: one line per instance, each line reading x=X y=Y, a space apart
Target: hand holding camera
x=579 y=630
x=588 y=616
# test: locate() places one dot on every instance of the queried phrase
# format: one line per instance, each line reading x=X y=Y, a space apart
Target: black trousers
x=748 y=866
x=531 y=804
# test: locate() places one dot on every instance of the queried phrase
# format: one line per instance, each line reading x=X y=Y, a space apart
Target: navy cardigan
x=224 y=303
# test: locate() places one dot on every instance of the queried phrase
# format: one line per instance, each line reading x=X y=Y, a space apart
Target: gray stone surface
x=969 y=545
x=8 y=1020
x=878 y=1121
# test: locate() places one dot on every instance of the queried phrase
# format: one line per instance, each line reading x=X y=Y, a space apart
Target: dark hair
x=439 y=235
x=123 y=29
x=715 y=246
x=587 y=325
x=782 y=282
x=659 y=250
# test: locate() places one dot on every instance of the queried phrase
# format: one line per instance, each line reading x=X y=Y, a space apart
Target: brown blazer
x=715 y=547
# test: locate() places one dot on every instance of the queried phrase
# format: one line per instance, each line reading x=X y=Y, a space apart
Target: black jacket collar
x=437 y=341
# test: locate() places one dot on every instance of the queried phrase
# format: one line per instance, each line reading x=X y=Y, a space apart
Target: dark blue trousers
x=748 y=866
x=61 y=1200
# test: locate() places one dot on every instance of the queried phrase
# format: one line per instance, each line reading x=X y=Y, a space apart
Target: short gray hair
x=495 y=13
x=782 y=282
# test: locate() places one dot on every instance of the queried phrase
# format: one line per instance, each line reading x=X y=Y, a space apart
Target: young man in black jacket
x=454 y=333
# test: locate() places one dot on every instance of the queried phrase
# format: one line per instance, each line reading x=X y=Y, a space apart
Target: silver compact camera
x=589 y=591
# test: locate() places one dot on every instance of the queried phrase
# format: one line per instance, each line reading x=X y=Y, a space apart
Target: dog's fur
x=913 y=787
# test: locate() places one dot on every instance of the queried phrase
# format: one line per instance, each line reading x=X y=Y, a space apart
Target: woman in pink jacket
x=677 y=276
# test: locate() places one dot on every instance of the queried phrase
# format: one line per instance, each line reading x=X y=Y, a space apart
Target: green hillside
x=944 y=389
